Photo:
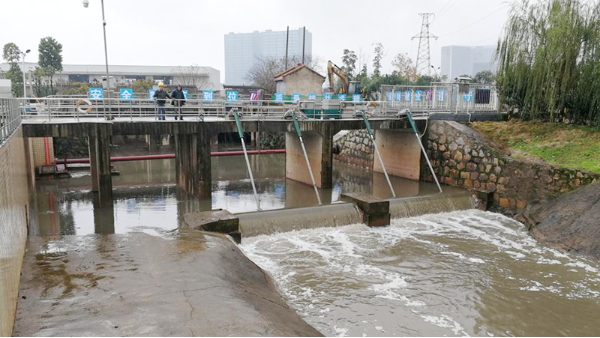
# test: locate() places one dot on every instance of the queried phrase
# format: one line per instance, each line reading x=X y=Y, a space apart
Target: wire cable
x=478 y=21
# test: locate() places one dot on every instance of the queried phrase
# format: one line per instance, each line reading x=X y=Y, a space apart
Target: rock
x=453 y=146
x=504 y=203
x=569 y=222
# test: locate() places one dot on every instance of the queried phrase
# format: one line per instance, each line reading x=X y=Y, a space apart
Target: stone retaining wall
x=14 y=210
x=356 y=149
x=461 y=156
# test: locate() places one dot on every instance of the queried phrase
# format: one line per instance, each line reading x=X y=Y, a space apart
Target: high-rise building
x=242 y=50
x=467 y=60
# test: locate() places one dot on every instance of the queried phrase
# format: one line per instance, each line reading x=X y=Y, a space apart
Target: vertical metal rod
x=241 y=134
x=106 y=59
x=378 y=154
x=287 y=40
x=312 y=177
x=414 y=127
x=303 y=43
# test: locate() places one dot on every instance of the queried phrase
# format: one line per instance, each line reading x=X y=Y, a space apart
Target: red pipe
x=167 y=156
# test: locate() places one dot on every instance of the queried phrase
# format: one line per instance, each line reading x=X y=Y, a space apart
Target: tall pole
x=24 y=82
x=106 y=58
x=287 y=41
x=423 y=63
x=303 y=43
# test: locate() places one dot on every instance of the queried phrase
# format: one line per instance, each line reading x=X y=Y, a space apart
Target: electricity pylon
x=423 y=58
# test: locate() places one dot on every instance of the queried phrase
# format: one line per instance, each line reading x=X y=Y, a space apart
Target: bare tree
x=192 y=75
x=262 y=74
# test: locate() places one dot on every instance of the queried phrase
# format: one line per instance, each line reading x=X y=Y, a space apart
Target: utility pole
x=287 y=41
x=423 y=64
x=303 y=42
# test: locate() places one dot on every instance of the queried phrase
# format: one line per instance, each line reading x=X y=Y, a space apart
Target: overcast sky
x=153 y=32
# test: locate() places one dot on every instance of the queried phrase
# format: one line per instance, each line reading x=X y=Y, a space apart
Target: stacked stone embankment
x=356 y=149
x=462 y=156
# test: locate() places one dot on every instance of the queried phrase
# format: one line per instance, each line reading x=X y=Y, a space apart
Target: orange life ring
x=87 y=102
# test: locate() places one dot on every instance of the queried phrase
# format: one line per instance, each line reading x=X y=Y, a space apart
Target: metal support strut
x=370 y=131
x=297 y=126
x=241 y=133
x=414 y=127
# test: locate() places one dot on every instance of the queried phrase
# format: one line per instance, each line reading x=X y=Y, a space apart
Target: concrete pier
x=320 y=155
x=99 y=147
x=193 y=163
x=400 y=152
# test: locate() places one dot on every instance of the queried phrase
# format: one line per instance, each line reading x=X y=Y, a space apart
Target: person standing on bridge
x=161 y=98
x=178 y=101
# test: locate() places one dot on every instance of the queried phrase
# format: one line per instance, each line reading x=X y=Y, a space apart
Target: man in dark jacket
x=160 y=96
x=178 y=101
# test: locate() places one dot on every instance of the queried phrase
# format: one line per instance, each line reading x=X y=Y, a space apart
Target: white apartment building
x=467 y=60
x=242 y=50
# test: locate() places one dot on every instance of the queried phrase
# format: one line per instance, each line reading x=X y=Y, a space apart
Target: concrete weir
x=190 y=284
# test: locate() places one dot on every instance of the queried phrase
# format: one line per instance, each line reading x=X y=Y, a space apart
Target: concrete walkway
x=184 y=284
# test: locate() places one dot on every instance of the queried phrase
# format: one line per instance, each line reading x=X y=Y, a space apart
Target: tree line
x=549 y=61
x=49 y=63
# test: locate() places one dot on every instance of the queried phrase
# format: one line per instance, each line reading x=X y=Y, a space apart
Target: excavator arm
x=333 y=69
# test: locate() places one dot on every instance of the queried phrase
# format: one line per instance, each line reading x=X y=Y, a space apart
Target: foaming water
x=456 y=274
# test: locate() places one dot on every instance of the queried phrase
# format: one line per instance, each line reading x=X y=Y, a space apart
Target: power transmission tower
x=423 y=59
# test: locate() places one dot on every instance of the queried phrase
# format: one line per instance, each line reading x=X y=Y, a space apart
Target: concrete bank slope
x=570 y=222
x=184 y=284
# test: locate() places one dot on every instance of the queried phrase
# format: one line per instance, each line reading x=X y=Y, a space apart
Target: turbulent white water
x=456 y=274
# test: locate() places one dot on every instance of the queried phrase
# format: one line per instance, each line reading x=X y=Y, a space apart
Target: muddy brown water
x=458 y=273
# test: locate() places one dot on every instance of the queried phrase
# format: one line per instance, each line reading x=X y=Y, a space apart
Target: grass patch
x=574 y=147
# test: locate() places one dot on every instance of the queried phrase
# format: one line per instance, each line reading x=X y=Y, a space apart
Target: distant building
x=242 y=50
x=5 y=88
x=204 y=77
x=300 y=80
x=467 y=60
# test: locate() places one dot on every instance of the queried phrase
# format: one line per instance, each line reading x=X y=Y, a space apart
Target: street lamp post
x=23 y=71
x=86 y=3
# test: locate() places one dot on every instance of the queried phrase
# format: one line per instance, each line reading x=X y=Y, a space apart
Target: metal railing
x=10 y=118
x=143 y=109
x=450 y=97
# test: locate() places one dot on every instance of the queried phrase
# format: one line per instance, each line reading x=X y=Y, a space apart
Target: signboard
x=441 y=95
x=468 y=97
x=185 y=94
x=279 y=97
x=407 y=95
x=151 y=94
x=390 y=96
x=341 y=97
x=418 y=96
x=296 y=97
x=232 y=96
x=253 y=96
x=126 y=94
x=208 y=96
x=356 y=98
x=96 y=93
x=312 y=97
x=399 y=96
x=327 y=97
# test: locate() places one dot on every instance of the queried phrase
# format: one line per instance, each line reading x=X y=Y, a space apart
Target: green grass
x=574 y=147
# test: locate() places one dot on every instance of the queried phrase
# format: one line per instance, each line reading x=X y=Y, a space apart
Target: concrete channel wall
x=14 y=217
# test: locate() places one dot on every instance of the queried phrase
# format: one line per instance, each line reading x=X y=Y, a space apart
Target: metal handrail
x=10 y=118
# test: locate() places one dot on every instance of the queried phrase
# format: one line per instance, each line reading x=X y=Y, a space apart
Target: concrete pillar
x=104 y=217
x=99 y=146
x=154 y=142
x=320 y=155
x=193 y=163
x=400 y=152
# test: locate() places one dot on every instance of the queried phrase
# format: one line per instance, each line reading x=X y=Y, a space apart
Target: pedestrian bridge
x=69 y=117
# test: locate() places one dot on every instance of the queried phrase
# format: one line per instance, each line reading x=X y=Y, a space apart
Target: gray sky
x=152 y=32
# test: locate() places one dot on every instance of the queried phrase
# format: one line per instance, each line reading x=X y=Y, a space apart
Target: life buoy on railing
x=87 y=102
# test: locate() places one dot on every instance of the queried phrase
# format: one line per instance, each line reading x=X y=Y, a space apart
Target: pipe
x=377 y=152
x=297 y=126
x=241 y=133
x=168 y=156
x=414 y=127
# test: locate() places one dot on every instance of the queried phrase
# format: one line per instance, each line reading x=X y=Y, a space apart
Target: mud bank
x=182 y=284
x=570 y=222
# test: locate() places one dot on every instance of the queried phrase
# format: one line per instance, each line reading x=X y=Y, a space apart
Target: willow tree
x=549 y=60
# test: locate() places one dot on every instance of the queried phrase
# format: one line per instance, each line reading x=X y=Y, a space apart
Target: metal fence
x=444 y=97
x=10 y=118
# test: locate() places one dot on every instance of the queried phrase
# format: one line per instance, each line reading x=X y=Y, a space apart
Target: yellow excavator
x=348 y=87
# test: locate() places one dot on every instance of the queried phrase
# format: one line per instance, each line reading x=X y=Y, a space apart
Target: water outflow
x=431 y=204
x=269 y=222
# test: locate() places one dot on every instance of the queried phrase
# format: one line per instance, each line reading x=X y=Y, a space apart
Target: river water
x=452 y=274
x=459 y=273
